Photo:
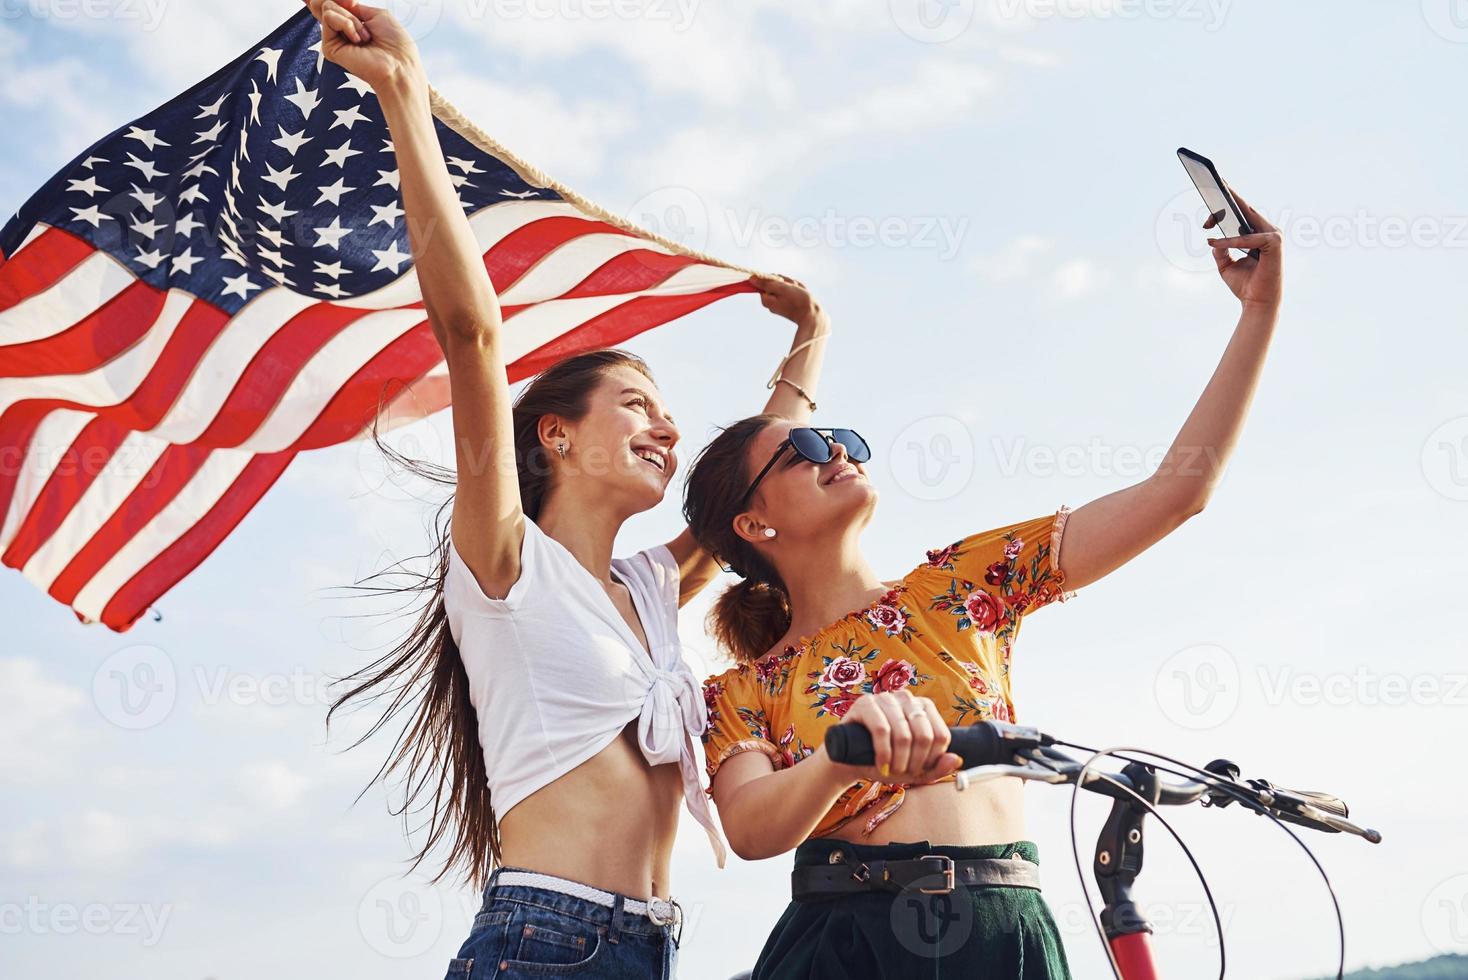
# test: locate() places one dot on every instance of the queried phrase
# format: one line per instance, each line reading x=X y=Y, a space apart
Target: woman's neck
x=825 y=583
x=586 y=530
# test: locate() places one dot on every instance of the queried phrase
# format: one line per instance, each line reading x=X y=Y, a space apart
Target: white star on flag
x=88 y=186
x=186 y=261
x=280 y=178
x=91 y=215
x=150 y=259
x=148 y=229
x=348 y=117
x=305 y=99
x=334 y=192
x=212 y=109
x=339 y=156
x=144 y=167
x=148 y=137
x=291 y=142
x=333 y=234
x=211 y=135
x=271 y=57
x=276 y=211
x=147 y=199
x=239 y=286
x=390 y=258
x=388 y=214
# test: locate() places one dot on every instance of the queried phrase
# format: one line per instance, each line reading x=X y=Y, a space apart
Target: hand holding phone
x=1227 y=216
x=1256 y=283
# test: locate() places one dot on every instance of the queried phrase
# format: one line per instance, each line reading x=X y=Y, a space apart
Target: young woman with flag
x=784 y=505
x=548 y=707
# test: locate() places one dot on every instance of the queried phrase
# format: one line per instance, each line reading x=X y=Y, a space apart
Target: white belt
x=661 y=912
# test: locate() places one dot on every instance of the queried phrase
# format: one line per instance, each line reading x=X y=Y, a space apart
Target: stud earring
x=769 y=532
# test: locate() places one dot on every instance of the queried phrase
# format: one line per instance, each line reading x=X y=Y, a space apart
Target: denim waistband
x=817 y=850
x=616 y=918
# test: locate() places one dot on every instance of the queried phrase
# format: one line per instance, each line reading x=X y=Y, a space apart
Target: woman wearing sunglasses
x=896 y=875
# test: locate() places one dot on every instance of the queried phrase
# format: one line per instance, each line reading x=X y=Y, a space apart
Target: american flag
x=225 y=283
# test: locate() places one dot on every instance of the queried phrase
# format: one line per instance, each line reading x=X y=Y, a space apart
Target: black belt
x=931 y=874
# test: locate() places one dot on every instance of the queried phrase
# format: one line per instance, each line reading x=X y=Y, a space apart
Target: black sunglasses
x=814 y=446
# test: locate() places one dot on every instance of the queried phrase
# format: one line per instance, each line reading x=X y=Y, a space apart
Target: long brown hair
x=437 y=750
x=751 y=615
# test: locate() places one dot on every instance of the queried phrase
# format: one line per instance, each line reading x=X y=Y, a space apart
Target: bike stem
x=1117 y=863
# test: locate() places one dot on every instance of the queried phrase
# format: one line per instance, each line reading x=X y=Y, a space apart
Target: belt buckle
x=947 y=871
x=656 y=915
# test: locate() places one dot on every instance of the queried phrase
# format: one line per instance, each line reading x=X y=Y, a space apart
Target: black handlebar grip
x=985 y=744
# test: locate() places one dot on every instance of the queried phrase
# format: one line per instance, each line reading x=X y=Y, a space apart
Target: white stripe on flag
x=325 y=374
x=181 y=513
x=564 y=268
x=121 y=475
x=74 y=297
x=223 y=363
x=110 y=383
x=49 y=442
x=537 y=326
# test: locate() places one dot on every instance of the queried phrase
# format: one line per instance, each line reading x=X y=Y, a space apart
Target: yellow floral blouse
x=944 y=632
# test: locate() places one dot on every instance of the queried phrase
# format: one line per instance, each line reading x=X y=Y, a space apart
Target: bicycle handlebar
x=993 y=750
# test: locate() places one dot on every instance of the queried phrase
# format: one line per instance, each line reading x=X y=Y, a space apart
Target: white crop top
x=556 y=673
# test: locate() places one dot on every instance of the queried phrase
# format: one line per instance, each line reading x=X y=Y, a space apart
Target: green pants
x=973 y=934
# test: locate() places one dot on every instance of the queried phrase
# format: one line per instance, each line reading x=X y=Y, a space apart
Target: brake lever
x=986 y=774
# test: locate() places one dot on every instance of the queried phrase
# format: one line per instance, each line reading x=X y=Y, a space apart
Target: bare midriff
x=989 y=813
x=609 y=823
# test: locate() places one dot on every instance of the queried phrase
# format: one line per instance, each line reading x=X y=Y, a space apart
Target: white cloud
x=711 y=52
x=101 y=838
x=1014 y=261
x=34 y=711
x=1075 y=278
x=273 y=785
x=566 y=141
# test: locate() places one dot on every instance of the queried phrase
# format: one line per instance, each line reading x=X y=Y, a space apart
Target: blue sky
x=986 y=199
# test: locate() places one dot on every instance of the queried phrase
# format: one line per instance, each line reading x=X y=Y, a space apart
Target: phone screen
x=1214 y=197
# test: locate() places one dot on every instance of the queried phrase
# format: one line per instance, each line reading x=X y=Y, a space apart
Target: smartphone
x=1216 y=197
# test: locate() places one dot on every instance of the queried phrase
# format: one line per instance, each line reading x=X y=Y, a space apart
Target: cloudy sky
x=985 y=196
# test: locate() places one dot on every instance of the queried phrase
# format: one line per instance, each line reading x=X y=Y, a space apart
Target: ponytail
x=750 y=616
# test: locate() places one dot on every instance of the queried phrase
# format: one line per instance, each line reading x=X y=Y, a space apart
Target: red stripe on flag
x=264 y=381
x=40 y=265
x=108 y=331
x=17 y=429
x=521 y=249
x=630 y=272
x=406 y=359
x=619 y=324
x=169 y=474
x=87 y=456
x=185 y=554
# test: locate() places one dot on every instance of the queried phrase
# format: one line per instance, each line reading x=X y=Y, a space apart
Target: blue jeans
x=539 y=932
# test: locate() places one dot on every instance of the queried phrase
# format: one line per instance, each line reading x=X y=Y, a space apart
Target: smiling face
x=624 y=442
x=802 y=500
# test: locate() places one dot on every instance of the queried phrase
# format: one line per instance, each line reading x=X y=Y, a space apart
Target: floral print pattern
x=944 y=632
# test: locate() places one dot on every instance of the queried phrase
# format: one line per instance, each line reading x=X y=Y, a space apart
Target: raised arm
x=1112 y=530
x=459 y=298
x=792 y=394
